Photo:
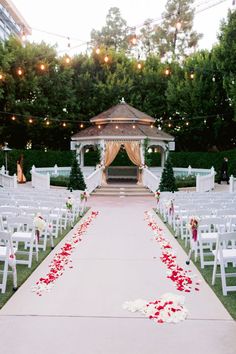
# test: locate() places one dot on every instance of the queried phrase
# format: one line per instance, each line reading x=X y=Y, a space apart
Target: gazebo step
x=122 y=191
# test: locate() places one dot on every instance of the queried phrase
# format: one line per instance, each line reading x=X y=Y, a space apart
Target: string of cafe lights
x=172 y=122
x=43 y=66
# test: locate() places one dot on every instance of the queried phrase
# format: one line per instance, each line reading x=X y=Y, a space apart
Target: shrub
x=61 y=181
x=188 y=181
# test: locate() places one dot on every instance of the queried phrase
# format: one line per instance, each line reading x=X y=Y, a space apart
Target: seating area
x=215 y=219
x=29 y=222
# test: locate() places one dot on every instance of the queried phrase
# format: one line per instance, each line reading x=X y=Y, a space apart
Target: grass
x=23 y=272
x=228 y=301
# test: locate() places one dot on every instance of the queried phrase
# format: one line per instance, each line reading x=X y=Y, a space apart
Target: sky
x=76 y=19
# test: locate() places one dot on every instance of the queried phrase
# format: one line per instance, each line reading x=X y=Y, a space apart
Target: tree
x=113 y=34
x=167 y=183
x=76 y=180
x=226 y=56
x=175 y=37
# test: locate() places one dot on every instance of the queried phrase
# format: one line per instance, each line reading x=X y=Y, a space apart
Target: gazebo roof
x=122 y=122
x=122 y=130
x=122 y=112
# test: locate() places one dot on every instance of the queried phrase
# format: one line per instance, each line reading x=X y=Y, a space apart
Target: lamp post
x=6 y=149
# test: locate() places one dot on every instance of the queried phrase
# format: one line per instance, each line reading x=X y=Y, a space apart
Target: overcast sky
x=76 y=19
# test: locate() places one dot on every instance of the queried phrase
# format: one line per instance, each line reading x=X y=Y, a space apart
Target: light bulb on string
x=151 y=125
x=13 y=118
x=42 y=67
x=106 y=58
x=97 y=51
x=167 y=71
x=192 y=76
x=1 y=77
x=67 y=59
x=169 y=125
x=139 y=66
x=178 y=26
x=30 y=120
x=19 y=72
x=213 y=78
x=187 y=123
x=81 y=125
x=47 y=122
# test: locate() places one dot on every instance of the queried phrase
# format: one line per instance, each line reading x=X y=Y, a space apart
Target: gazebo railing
x=206 y=183
x=6 y=180
x=150 y=180
x=94 y=180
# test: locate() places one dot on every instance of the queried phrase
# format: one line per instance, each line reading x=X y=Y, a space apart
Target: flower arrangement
x=142 y=166
x=69 y=203
x=193 y=226
x=39 y=222
x=84 y=196
x=157 y=195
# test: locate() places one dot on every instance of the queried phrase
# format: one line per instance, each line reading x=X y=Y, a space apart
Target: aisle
x=117 y=261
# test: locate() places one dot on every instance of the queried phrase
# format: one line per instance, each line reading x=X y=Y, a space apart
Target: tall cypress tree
x=167 y=183
x=76 y=180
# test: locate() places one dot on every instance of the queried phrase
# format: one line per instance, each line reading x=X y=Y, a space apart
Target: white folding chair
x=26 y=234
x=224 y=254
x=7 y=256
x=207 y=236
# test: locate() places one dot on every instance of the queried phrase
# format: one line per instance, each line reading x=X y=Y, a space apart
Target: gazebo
x=122 y=126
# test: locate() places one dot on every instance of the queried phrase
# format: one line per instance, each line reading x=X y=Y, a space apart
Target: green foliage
x=122 y=159
x=167 y=37
x=92 y=157
x=76 y=179
x=167 y=183
x=114 y=33
x=185 y=181
x=60 y=181
x=36 y=158
x=226 y=56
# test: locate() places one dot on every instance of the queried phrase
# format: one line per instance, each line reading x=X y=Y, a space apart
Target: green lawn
x=228 y=301
x=23 y=272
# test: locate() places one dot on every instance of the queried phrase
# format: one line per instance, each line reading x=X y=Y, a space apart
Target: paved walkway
x=116 y=262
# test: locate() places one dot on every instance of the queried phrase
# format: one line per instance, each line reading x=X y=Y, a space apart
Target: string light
x=192 y=76
x=64 y=124
x=19 y=71
x=81 y=125
x=42 y=67
x=67 y=60
x=151 y=125
x=139 y=66
x=178 y=26
x=97 y=51
x=167 y=72
x=106 y=58
x=47 y=122
x=13 y=118
x=30 y=120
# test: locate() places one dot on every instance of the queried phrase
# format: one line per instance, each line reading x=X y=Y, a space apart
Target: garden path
x=117 y=261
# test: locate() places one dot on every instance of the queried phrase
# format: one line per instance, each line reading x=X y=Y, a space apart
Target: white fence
x=205 y=183
x=6 y=180
x=94 y=180
x=150 y=180
x=182 y=171
x=40 y=180
x=232 y=184
x=63 y=171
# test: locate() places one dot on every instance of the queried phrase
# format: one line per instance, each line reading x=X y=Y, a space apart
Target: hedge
x=40 y=158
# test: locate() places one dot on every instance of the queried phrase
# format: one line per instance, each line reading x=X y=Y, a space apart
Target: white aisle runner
x=117 y=261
